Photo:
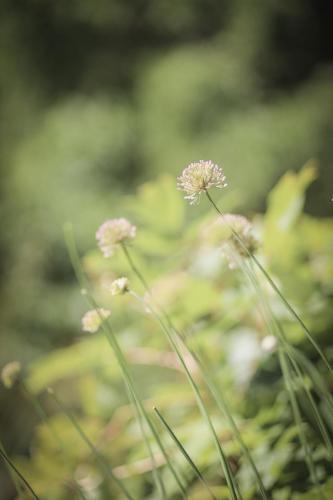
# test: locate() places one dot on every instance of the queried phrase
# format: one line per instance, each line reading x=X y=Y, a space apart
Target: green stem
x=129 y=381
x=135 y=269
x=273 y=285
x=279 y=333
x=184 y=452
x=297 y=416
x=103 y=464
x=224 y=463
x=107 y=330
x=223 y=406
x=14 y=477
x=20 y=477
x=223 y=460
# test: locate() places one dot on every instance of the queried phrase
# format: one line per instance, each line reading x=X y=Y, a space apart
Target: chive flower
x=93 y=319
x=244 y=229
x=198 y=177
x=119 y=286
x=113 y=232
x=10 y=373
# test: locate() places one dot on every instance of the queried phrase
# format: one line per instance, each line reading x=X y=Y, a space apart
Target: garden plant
x=203 y=363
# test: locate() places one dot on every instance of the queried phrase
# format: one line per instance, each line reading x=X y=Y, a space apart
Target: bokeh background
x=98 y=96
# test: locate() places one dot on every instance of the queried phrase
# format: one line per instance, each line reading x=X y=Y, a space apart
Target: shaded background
x=99 y=96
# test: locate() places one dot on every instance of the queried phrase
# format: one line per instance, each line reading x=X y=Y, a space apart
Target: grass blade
x=184 y=452
x=20 y=477
x=223 y=460
x=297 y=417
x=107 y=330
x=274 y=286
x=222 y=405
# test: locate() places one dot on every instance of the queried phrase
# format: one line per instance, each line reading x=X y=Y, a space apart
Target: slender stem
x=284 y=353
x=128 y=378
x=201 y=405
x=17 y=472
x=209 y=383
x=104 y=465
x=320 y=423
x=184 y=452
x=107 y=330
x=279 y=333
x=224 y=407
x=273 y=285
x=224 y=462
x=15 y=479
x=297 y=416
x=135 y=269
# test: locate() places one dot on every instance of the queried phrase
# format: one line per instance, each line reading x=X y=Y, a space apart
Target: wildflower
x=10 y=373
x=113 y=232
x=198 y=177
x=119 y=286
x=244 y=232
x=93 y=319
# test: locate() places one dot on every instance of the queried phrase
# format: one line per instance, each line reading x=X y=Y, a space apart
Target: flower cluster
x=113 y=232
x=119 y=286
x=93 y=319
x=241 y=239
x=242 y=235
x=198 y=177
x=10 y=373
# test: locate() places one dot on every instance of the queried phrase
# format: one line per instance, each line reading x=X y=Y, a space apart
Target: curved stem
x=111 y=338
x=274 y=286
x=184 y=452
x=105 y=467
x=224 y=462
x=18 y=473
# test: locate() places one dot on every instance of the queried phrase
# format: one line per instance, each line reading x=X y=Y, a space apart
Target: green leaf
x=285 y=204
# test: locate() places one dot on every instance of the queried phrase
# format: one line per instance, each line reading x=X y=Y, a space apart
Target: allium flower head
x=119 y=286
x=113 y=232
x=10 y=373
x=244 y=229
x=198 y=177
x=93 y=319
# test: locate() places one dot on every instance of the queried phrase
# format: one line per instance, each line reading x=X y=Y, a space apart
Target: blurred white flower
x=269 y=343
x=198 y=177
x=93 y=319
x=10 y=373
x=119 y=286
x=244 y=229
x=113 y=232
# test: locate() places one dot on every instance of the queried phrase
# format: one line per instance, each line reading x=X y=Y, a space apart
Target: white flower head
x=198 y=177
x=10 y=373
x=244 y=229
x=119 y=286
x=93 y=319
x=113 y=232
